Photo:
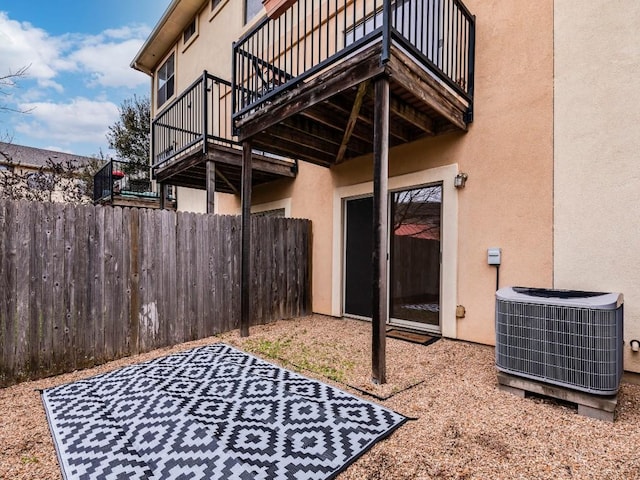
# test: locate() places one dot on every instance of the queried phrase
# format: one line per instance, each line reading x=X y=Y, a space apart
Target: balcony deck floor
x=329 y=118
x=190 y=168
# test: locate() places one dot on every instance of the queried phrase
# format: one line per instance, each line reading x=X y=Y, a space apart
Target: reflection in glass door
x=414 y=269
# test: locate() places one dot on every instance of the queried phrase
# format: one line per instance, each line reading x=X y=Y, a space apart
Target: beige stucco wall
x=507 y=154
x=191 y=200
x=597 y=184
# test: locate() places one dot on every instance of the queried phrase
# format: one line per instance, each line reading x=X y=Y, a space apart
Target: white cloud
x=80 y=120
x=103 y=60
x=23 y=45
x=108 y=63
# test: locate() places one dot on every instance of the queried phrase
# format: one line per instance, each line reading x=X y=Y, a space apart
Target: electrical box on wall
x=494 y=256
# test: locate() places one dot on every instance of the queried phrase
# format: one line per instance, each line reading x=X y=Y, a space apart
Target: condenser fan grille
x=560 y=340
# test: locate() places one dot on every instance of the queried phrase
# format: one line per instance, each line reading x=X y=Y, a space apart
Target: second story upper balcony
x=194 y=130
x=302 y=82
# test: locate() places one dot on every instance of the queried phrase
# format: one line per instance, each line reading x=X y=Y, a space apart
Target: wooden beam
x=366 y=117
x=380 y=303
x=211 y=186
x=350 y=72
x=328 y=119
x=415 y=117
x=353 y=119
x=332 y=134
x=163 y=194
x=233 y=156
x=245 y=241
x=179 y=165
x=280 y=145
x=226 y=180
x=406 y=72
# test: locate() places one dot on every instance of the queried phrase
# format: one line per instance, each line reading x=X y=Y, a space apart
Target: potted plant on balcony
x=275 y=8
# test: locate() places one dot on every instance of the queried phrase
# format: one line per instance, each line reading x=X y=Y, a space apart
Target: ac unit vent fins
x=563 y=337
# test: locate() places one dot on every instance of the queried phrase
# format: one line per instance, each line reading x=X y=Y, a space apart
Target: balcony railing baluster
x=120 y=178
x=270 y=57
x=190 y=120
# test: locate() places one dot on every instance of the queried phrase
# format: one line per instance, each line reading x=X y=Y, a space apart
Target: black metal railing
x=312 y=34
x=202 y=112
x=121 y=178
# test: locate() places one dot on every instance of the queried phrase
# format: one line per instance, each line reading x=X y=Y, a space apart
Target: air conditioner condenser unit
x=568 y=338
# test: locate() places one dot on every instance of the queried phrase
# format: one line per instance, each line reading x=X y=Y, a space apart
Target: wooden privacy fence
x=82 y=285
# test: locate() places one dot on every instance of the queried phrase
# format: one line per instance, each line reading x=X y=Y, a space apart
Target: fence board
x=87 y=284
x=35 y=294
x=124 y=344
x=4 y=287
x=134 y=272
x=80 y=272
x=22 y=288
x=98 y=284
x=8 y=321
x=47 y=247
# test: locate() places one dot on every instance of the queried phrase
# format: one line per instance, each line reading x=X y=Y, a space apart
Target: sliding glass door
x=414 y=261
x=414 y=267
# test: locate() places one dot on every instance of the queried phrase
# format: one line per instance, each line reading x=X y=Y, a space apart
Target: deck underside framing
x=329 y=119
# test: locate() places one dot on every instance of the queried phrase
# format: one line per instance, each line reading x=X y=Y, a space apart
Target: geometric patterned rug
x=213 y=412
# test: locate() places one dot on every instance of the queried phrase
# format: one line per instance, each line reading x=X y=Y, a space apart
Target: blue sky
x=78 y=53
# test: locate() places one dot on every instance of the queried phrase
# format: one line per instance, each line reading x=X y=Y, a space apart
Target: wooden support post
x=163 y=195
x=245 y=236
x=211 y=186
x=380 y=303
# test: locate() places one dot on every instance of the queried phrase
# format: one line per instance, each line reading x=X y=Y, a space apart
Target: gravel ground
x=464 y=427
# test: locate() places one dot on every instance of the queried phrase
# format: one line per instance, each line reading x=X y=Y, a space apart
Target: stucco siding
x=507 y=153
x=597 y=184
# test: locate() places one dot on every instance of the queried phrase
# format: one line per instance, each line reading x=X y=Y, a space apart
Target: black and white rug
x=210 y=413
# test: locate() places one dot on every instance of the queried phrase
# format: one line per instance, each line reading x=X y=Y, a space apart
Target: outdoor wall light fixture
x=635 y=345
x=460 y=180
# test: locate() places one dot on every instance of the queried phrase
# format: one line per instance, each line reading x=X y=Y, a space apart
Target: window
x=166 y=80
x=251 y=9
x=7 y=168
x=215 y=3
x=276 y=212
x=189 y=32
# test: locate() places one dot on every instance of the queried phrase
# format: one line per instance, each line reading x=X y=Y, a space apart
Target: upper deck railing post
x=205 y=113
x=234 y=86
x=386 y=31
x=472 y=55
x=154 y=146
x=111 y=181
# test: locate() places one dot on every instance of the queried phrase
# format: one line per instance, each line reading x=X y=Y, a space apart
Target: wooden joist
x=350 y=72
x=353 y=118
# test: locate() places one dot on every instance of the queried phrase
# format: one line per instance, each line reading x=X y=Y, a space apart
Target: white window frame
x=173 y=78
x=194 y=35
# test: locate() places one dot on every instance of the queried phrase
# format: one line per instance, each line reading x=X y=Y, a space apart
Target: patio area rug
x=213 y=412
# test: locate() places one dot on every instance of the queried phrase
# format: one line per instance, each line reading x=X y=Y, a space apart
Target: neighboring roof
x=37 y=157
x=175 y=19
x=421 y=231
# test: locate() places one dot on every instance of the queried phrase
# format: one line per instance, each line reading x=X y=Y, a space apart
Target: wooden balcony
x=303 y=83
x=330 y=80
x=192 y=143
x=121 y=184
